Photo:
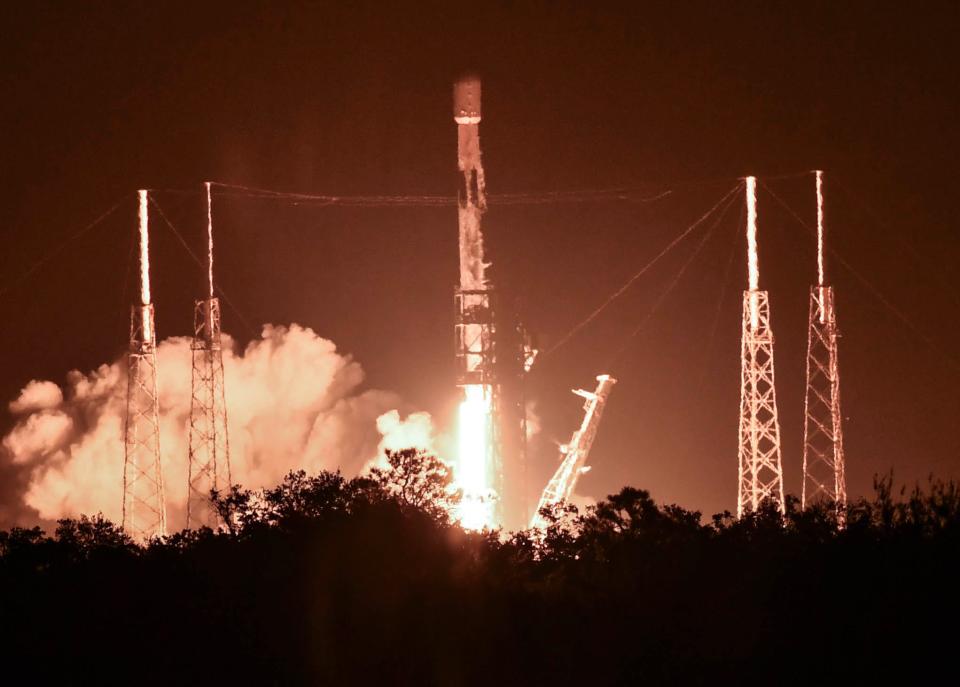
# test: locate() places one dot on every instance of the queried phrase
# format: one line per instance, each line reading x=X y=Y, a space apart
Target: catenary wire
x=59 y=248
x=643 y=270
x=869 y=286
x=671 y=285
x=186 y=246
x=725 y=281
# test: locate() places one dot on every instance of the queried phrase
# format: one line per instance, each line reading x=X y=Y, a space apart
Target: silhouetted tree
x=419 y=480
x=327 y=580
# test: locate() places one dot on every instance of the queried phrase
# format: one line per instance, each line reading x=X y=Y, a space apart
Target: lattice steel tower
x=144 y=509
x=823 y=466
x=209 y=451
x=760 y=471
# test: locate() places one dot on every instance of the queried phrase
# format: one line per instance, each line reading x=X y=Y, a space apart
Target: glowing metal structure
x=823 y=464
x=144 y=509
x=575 y=452
x=478 y=473
x=760 y=471
x=209 y=449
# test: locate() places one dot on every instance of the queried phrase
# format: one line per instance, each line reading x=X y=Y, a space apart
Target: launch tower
x=144 y=509
x=209 y=451
x=823 y=465
x=760 y=471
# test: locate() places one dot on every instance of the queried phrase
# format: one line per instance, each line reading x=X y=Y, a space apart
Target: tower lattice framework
x=760 y=471
x=144 y=509
x=209 y=449
x=823 y=464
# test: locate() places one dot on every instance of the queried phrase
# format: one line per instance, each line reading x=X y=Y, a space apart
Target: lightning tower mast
x=575 y=452
x=478 y=473
x=144 y=509
x=209 y=450
x=760 y=471
x=823 y=465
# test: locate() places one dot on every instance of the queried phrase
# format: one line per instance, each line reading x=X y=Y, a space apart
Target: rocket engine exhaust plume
x=753 y=266
x=473 y=474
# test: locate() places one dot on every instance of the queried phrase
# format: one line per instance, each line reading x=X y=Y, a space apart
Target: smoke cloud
x=293 y=402
x=416 y=431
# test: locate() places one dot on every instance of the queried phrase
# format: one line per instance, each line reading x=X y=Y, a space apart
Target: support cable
x=60 y=248
x=671 y=286
x=620 y=291
x=947 y=288
x=543 y=198
x=199 y=262
x=725 y=283
x=870 y=287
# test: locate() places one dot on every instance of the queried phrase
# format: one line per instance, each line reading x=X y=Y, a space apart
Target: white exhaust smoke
x=294 y=402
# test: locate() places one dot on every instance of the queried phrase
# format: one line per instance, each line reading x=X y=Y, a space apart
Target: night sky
x=99 y=100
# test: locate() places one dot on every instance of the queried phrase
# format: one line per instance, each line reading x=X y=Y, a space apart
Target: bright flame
x=209 y=238
x=753 y=265
x=473 y=474
x=144 y=251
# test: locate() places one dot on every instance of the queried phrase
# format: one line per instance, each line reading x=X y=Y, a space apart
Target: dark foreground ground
x=341 y=582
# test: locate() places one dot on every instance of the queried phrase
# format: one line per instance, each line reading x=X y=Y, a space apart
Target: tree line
x=329 y=580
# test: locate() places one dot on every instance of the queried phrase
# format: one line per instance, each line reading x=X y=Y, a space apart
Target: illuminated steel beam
x=824 y=477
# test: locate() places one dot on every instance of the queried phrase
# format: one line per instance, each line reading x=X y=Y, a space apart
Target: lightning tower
x=478 y=473
x=575 y=452
x=209 y=451
x=823 y=466
x=144 y=510
x=760 y=472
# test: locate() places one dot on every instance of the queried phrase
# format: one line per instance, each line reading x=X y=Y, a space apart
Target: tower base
x=760 y=471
